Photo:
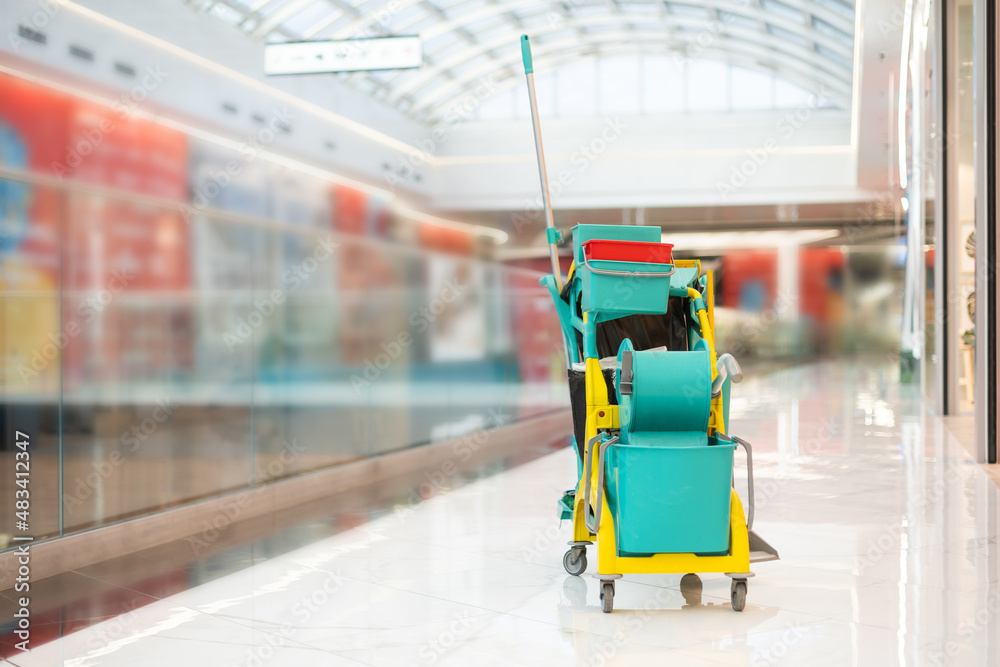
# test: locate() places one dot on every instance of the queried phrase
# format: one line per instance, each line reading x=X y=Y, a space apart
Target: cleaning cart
x=650 y=399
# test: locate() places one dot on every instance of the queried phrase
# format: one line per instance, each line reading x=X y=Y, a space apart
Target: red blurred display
x=350 y=211
x=750 y=279
x=436 y=237
x=818 y=298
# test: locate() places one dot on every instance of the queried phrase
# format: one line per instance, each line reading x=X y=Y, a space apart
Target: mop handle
x=529 y=74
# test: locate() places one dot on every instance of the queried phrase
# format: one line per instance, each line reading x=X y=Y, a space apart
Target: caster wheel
x=738 y=594
x=607 y=596
x=575 y=561
x=691 y=588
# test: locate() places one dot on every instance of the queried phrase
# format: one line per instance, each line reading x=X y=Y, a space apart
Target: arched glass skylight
x=645 y=85
x=623 y=56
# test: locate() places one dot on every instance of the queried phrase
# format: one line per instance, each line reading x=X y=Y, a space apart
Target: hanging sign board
x=346 y=55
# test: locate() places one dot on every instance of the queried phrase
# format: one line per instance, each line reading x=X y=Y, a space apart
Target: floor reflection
x=887 y=530
x=70 y=602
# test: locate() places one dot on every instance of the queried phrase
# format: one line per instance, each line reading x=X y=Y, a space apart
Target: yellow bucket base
x=609 y=562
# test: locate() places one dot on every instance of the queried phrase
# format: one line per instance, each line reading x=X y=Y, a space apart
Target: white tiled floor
x=887 y=531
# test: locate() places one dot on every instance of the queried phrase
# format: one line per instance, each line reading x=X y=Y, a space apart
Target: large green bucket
x=668 y=499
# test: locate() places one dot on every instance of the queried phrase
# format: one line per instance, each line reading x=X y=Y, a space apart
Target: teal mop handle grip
x=529 y=68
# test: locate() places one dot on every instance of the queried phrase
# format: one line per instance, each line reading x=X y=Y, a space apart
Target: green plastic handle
x=526 y=55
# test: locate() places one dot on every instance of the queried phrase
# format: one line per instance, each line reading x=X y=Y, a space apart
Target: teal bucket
x=666 y=499
x=625 y=294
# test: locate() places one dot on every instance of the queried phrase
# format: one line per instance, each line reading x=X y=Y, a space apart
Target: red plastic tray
x=629 y=251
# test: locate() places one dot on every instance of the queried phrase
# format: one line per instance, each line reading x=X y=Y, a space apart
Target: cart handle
x=600 y=481
x=631 y=274
x=726 y=366
x=750 y=494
